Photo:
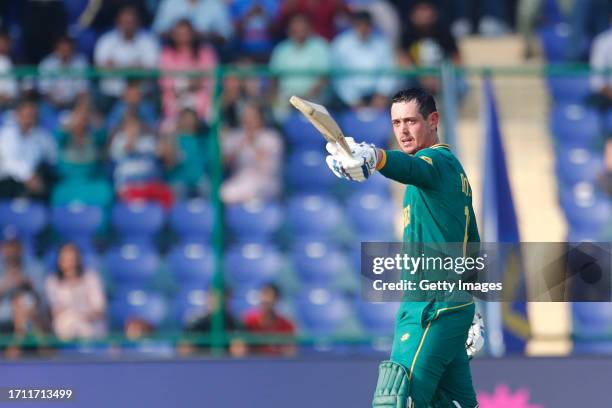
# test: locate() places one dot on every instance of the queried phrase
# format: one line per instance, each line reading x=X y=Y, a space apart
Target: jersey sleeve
x=421 y=170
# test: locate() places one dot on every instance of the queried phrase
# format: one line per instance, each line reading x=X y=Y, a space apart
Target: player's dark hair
x=424 y=100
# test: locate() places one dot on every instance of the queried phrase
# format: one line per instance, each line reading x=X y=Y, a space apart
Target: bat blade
x=320 y=118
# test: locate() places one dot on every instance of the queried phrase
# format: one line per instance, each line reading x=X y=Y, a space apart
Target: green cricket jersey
x=437 y=208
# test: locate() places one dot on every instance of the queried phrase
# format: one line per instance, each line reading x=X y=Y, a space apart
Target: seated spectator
x=325 y=15
x=124 y=47
x=587 y=19
x=385 y=16
x=254 y=22
x=13 y=275
x=266 y=320
x=252 y=154
x=27 y=155
x=300 y=51
x=210 y=18
x=76 y=298
x=132 y=103
x=427 y=43
x=8 y=85
x=601 y=60
x=29 y=323
x=605 y=179
x=42 y=23
x=139 y=330
x=238 y=91
x=360 y=48
x=184 y=155
x=101 y=15
x=202 y=325
x=185 y=53
x=137 y=170
x=62 y=92
x=80 y=144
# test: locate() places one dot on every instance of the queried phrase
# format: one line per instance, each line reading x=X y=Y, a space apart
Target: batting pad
x=392 y=386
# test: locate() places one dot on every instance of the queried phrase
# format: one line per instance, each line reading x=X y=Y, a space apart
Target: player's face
x=412 y=131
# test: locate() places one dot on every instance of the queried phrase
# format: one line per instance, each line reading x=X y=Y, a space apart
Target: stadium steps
x=523 y=111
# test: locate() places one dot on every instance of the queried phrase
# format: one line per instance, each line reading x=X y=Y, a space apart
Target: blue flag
x=508 y=325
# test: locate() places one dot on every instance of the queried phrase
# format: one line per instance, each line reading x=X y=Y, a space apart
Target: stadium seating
x=585 y=209
x=255 y=220
x=77 y=223
x=140 y=304
x=251 y=265
x=313 y=215
x=569 y=89
x=138 y=222
x=24 y=219
x=367 y=125
x=192 y=220
x=191 y=265
x=555 y=41
x=575 y=125
x=307 y=172
x=575 y=165
x=318 y=262
x=321 y=311
x=301 y=134
x=132 y=265
x=371 y=214
x=189 y=304
x=377 y=317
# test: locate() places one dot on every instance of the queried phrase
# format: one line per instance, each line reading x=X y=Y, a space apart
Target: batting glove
x=475 y=340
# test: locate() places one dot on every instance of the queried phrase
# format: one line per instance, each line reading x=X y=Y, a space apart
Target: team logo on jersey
x=405 y=337
x=406 y=215
x=427 y=159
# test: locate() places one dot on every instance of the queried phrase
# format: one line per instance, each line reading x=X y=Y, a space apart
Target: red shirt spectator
x=266 y=320
x=322 y=13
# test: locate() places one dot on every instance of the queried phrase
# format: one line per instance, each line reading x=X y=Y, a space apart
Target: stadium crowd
x=66 y=136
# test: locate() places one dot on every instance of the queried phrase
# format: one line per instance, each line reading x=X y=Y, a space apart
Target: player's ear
x=434 y=119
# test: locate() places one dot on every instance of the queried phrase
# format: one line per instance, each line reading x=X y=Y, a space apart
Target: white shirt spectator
x=350 y=52
x=8 y=85
x=601 y=59
x=62 y=89
x=113 y=48
x=204 y=15
x=21 y=154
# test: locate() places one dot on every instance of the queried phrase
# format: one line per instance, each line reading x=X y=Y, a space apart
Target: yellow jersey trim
x=383 y=160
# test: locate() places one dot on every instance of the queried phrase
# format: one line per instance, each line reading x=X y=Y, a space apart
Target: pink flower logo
x=503 y=397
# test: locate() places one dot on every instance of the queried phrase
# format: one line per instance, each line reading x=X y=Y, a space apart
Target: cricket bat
x=322 y=120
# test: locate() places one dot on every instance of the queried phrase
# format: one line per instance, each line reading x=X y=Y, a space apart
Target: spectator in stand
x=601 y=59
x=29 y=322
x=124 y=47
x=360 y=48
x=384 y=16
x=13 y=275
x=102 y=14
x=266 y=320
x=238 y=92
x=427 y=43
x=300 y=51
x=62 y=92
x=184 y=155
x=137 y=170
x=254 y=22
x=202 y=324
x=587 y=19
x=528 y=18
x=42 y=23
x=80 y=144
x=186 y=53
x=76 y=298
x=132 y=103
x=325 y=15
x=210 y=18
x=8 y=85
x=27 y=155
x=253 y=155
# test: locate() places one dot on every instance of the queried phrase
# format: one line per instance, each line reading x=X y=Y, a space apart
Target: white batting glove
x=475 y=340
x=358 y=168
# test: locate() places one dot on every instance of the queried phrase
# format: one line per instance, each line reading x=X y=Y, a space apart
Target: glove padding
x=358 y=168
x=475 y=340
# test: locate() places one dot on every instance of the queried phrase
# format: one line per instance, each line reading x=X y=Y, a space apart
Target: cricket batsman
x=429 y=365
